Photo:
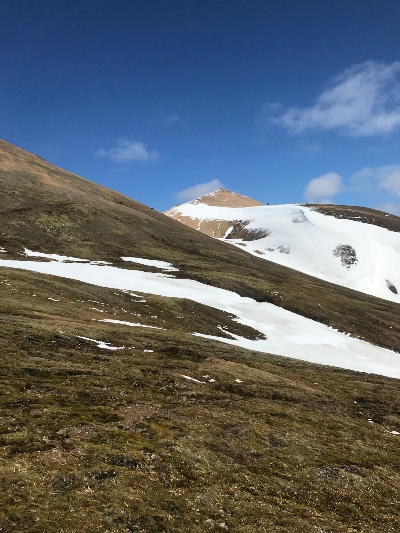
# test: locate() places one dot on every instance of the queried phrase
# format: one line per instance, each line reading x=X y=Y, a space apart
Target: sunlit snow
x=54 y=257
x=308 y=241
x=102 y=344
x=163 y=265
x=193 y=379
x=132 y=324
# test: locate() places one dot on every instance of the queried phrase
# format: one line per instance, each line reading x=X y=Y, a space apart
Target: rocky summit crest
x=225 y=198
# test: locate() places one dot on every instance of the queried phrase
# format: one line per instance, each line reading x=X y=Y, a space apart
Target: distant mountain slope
x=108 y=427
x=219 y=198
x=359 y=214
x=340 y=249
x=49 y=210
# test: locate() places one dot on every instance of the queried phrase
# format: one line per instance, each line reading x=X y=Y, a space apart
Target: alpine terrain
x=157 y=378
x=354 y=247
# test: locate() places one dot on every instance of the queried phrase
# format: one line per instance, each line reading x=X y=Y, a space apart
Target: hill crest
x=352 y=247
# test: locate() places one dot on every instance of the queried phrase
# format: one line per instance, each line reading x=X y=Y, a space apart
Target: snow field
x=305 y=240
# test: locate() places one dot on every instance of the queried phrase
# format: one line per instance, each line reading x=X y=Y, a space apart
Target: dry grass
x=120 y=441
x=95 y=440
x=51 y=210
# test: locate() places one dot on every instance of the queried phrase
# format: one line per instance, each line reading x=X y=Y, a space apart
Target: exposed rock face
x=217 y=228
x=224 y=198
x=347 y=254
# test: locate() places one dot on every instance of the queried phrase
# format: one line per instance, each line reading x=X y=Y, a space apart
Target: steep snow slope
x=285 y=332
x=359 y=256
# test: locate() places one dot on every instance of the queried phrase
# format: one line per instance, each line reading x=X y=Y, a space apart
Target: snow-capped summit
x=218 y=198
x=337 y=245
x=224 y=198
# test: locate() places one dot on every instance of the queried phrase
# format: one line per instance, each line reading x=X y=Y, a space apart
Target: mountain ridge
x=225 y=198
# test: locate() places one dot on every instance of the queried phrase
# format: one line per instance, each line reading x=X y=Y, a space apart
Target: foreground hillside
x=274 y=330
x=171 y=432
x=128 y=403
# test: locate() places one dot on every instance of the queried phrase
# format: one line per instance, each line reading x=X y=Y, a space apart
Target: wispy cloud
x=170 y=119
x=128 y=151
x=309 y=148
x=387 y=177
x=198 y=190
x=389 y=207
x=363 y=100
x=321 y=189
x=378 y=181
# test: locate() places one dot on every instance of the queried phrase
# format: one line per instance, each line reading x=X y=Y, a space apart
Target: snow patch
x=193 y=379
x=54 y=257
x=163 y=265
x=132 y=324
x=101 y=344
x=286 y=333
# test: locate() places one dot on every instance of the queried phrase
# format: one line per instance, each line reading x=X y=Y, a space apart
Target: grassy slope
x=48 y=209
x=95 y=440
x=116 y=441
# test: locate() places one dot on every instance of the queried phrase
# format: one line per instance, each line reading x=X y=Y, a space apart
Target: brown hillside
x=47 y=209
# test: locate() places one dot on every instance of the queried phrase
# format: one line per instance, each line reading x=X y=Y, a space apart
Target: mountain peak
x=224 y=198
x=218 y=198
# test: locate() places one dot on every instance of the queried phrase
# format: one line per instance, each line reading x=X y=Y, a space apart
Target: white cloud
x=391 y=182
x=364 y=100
x=128 y=151
x=387 y=177
x=309 y=148
x=374 y=180
x=198 y=190
x=320 y=189
x=389 y=207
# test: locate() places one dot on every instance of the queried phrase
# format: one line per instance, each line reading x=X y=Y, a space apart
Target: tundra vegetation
x=172 y=432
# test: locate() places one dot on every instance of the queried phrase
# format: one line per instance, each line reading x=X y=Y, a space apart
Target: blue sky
x=282 y=100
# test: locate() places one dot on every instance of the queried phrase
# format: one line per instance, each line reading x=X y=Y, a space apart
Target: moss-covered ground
x=94 y=440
